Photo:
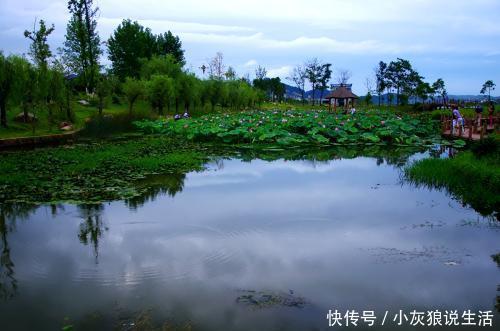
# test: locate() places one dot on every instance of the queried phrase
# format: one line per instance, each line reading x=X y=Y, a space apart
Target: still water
x=248 y=246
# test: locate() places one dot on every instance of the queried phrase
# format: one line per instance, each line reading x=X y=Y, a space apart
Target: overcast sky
x=458 y=40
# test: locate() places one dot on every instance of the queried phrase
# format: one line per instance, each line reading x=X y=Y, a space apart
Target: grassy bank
x=472 y=176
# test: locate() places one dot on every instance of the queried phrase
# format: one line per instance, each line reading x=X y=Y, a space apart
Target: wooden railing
x=470 y=128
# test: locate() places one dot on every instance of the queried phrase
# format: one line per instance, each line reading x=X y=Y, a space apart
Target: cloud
x=250 y=63
x=354 y=34
x=325 y=44
x=158 y=26
x=281 y=72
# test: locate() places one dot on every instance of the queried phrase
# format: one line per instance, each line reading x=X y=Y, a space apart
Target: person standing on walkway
x=479 y=116
x=491 y=111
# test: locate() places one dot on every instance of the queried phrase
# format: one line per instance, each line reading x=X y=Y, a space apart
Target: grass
x=470 y=176
x=43 y=125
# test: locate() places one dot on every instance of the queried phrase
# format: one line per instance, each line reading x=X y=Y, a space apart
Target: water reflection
x=92 y=226
x=9 y=214
x=154 y=185
x=339 y=233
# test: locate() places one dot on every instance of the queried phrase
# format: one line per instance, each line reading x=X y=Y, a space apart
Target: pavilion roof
x=341 y=93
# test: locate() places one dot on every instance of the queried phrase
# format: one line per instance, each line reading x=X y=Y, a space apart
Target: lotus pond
x=294 y=127
x=179 y=235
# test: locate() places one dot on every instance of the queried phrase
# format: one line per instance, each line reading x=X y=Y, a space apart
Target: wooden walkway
x=471 y=130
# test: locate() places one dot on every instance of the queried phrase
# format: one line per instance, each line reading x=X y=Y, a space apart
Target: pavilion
x=341 y=96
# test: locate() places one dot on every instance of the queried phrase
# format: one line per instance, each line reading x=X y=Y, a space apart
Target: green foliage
x=161 y=91
x=490 y=146
x=368 y=98
x=133 y=89
x=488 y=86
x=128 y=44
x=160 y=65
x=272 y=87
x=400 y=75
x=103 y=89
x=296 y=127
x=473 y=180
x=131 y=44
x=39 y=48
x=82 y=45
x=168 y=44
x=7 y=76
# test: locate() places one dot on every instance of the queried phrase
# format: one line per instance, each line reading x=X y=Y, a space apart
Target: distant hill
x=292 y=92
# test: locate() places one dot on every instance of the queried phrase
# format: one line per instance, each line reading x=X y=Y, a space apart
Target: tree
x=160 y=65
x=103 y=89
x=128 y=45
x=230 y=73
x=368 y=98
x=39 y=48
x=25 y=86
x=133 y=89
x=424 y=90
x=56 y=87
x=216 y=68
x=277 y=89
x=313 y=71
x=260 y=72
x=488 y=86
x=167 y=43
x=7 y=76
x=324 y=79
x=369 y=89
x=299 y=77
x=439 y=88
x=402 y=77
x=160 y=91
x=82 y=45
x=380 y=81
x=343 y=76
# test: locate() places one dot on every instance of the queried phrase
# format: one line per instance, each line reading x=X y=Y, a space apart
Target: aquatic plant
x=299 y=127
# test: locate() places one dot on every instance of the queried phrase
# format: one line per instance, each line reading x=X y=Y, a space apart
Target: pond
x=249 y=245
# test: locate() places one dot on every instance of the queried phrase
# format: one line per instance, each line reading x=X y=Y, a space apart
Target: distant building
x=341 y=95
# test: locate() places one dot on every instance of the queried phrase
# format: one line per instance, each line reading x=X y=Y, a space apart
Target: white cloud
x=250 y=63
x=325 y=44
x=158 y=26
x=281 y=72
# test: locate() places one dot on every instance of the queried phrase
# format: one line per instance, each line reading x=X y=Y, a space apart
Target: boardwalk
x=470 y=130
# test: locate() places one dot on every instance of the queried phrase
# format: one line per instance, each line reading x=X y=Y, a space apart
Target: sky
x=457 y=40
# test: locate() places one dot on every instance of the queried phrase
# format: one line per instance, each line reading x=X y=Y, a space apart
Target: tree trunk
x=101 y=105
x=130 y=107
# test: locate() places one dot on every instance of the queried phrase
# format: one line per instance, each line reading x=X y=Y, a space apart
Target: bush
x=487 y=146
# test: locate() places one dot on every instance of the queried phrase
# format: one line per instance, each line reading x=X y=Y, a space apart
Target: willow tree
x=7 y=76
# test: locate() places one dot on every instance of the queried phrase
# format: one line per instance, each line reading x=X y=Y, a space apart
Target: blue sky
x=453 y=39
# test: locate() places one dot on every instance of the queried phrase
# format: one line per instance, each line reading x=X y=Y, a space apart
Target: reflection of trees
x=92 y=226
x=9 y=213
x=152 y=186
x=394 y=156
x=496 y=258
